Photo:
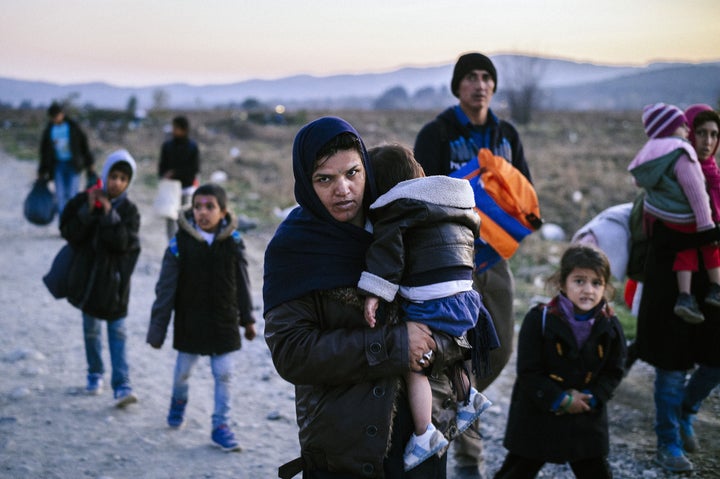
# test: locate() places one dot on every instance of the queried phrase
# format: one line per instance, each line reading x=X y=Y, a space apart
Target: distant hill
x=566 y=85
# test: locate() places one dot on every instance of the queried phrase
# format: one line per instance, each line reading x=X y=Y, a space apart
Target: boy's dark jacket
x=106 y=251
x=549 y=363
x=433 y=144
x=82 y=157
x=207 y=286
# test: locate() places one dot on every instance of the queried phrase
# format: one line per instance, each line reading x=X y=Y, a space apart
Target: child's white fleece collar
x=438 y=190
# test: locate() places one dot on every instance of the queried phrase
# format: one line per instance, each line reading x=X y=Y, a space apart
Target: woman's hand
x=250 y=331
x=420 y=343
x=371 y=306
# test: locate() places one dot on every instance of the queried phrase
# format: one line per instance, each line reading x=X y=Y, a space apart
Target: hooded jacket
x=425 y=231
x=550 y=362
x=668 y=170
x=82 y=157
x=106 y=249
x=208 y=287
x=445 y=145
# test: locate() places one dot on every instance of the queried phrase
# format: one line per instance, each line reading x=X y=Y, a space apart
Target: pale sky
x=143 y=42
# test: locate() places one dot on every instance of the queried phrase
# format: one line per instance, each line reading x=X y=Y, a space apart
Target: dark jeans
x=517 y=467
x=433 y=468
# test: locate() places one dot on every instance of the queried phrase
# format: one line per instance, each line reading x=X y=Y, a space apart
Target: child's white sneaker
x=468 y=413
x=420 y=448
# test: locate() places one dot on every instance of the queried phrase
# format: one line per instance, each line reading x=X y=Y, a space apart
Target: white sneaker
x=420 y=448
x=468 y=413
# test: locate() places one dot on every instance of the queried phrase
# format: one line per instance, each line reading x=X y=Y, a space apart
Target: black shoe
x=687 y=308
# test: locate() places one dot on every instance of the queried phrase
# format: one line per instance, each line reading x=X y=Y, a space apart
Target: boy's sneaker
x=420 y=448
x=223 y=437
x=124 y=396
x=687 y=433
x=176 y=416
x=467 y=413
x=713 y=296
x=94 y=384
x=687 y=308
x=672 y=459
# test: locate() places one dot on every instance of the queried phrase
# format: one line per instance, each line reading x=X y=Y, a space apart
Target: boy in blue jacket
x=204 y=279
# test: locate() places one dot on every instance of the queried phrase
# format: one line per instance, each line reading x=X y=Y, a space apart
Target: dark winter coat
x=445 y=142
x=424 y=233
x=182 y=156
x=549 y=363
x=346 y=376
x=106 y=251
x=207 y=286
x=82 y=157
x=663 y=339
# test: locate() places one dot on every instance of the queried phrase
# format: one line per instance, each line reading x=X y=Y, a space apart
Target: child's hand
x=580 y=402
x=371 y=306
x=250 y=332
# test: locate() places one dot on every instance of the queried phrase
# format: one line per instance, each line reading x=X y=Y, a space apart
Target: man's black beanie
x=469 y=62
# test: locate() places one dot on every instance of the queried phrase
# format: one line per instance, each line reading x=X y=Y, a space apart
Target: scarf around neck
x=311 y=250
x=709 y=166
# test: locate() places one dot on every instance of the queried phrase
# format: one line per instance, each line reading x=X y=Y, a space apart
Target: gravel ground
x=49 y=429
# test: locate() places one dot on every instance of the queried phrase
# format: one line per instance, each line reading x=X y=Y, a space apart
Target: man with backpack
x=445 y=146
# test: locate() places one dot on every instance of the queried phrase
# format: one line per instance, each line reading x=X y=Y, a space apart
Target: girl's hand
x=371 y=306
x=580 y=402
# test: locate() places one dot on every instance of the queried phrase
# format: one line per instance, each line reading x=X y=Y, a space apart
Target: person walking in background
x=444 y=146
x=102 y=227
x=180 y=160
x=571 y=354
x=204 y=279
x=64 y=154
x=667 y=168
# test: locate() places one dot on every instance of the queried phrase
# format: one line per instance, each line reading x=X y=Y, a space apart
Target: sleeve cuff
x=378 y=286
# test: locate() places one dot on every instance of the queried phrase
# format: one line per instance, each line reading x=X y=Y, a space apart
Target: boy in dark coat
x=204 y=279
x=102 y=227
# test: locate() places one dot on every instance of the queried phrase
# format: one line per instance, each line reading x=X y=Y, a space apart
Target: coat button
x=375 y=348
x=448 y=403
x=378 y=392
x=368 y=469
x=371 y=431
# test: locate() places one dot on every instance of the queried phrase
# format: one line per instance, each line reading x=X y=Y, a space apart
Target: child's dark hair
x=583 y=257
x=211 y=189
x=704 y=117
x=54 y=109
x=343 y=142
x=393 y=164
x=123 y=167
x=181 y=122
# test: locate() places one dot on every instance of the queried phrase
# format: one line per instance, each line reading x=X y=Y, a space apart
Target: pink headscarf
x=709 y=165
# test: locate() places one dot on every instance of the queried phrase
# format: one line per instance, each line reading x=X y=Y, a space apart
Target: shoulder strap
x=236 y=236
x=544 y=317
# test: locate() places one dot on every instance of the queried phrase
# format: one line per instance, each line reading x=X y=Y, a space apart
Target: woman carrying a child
x=668 y=342
x=353 y=414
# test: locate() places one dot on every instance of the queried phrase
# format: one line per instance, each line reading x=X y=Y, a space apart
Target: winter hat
x=469 y=62
x=661 y=120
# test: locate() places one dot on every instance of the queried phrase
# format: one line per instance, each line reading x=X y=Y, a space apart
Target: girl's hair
x=393 y=164
x=343 y=142
x=582 y=257
x=211 y=189
x=704 y=117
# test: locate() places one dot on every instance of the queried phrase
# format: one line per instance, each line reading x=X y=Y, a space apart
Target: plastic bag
x=40 y=205
x=167 y=202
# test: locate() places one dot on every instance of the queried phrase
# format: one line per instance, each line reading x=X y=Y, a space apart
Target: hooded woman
x=669 y=344
x=352 y=411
